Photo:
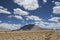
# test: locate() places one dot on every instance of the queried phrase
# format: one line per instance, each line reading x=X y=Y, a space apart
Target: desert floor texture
x=30 y=35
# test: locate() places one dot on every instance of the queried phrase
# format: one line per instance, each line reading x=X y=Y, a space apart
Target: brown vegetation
x=29 y=35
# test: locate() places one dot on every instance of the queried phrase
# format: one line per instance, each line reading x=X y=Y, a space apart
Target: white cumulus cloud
x=4 y=10
x=44 y=1
x=8 y=26
x=56 y=9
x=55 y=19
x=28 y=4
x=48 y=25
x=57 y=3
x=20 y=12
x=32 y=17
x=18 y=17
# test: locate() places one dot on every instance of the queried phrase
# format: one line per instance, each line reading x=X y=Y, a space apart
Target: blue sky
x=39 y=12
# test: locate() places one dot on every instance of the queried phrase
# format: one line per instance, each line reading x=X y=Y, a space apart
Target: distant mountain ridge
x=25 y=27
x=31 y=27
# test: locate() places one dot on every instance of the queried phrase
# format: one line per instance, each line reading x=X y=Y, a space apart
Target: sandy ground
x=30 y=35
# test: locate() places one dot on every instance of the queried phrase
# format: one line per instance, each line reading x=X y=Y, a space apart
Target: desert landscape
x=30 y=35
x=30 y=32
x=29 y=19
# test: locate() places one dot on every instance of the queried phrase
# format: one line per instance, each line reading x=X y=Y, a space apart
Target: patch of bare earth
x=29 y=35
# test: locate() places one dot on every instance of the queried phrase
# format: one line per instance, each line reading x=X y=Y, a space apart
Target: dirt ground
x=29 y=35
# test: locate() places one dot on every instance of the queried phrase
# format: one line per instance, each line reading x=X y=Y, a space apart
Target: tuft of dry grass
x=29 y=35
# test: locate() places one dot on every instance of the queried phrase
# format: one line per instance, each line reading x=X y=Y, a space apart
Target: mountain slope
x=31 y=27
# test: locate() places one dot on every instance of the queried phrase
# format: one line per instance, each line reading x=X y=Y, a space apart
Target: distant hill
x=31 y=27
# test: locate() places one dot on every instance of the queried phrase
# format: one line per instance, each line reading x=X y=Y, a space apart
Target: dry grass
x=58 y=34
x=29 y=35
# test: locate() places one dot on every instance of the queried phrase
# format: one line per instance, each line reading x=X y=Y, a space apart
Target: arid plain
x=30 y=35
